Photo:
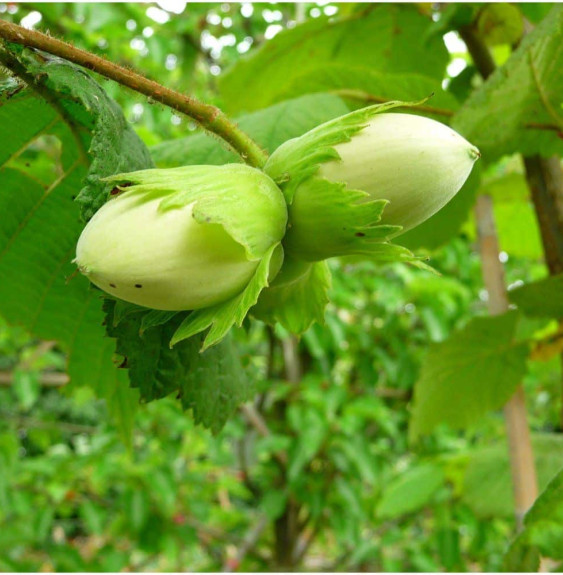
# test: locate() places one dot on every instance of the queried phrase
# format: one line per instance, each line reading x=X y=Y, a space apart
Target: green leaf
x=541 y=298
x=487 y=480
x=71 y=115
x=411 y=491
x=312 y=429
x=543 y=530
x=298 y=303
x=384 y=38
x=360 y=85
x=212 y=384
x=97 y=123
x=273 y=504
x=535 y=12
x=221 y=317
x=270 y=128
x=473 y=372
x=521 y=558
x=526 y=90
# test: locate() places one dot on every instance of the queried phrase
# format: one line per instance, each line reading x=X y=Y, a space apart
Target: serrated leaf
x=212 y=384
x=154 y=318
x=297 y=304
x=220 y=318
x=269 y=128
x=385 y=38
x=473 y=372
x=41 y=223
x=499 y=117
x=97 y=123
x=540 y=299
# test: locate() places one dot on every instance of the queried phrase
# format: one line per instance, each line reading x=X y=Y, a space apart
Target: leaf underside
x=40 y=221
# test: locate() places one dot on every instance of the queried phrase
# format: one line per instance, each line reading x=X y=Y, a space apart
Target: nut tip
x=474 y=153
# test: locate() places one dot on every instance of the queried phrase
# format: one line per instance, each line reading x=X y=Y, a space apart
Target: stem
x=545 y=180
x=208 y=117
x=249 y=542
x=47 y=379
x=480 y=54
x=286 y=527
x=524 y=479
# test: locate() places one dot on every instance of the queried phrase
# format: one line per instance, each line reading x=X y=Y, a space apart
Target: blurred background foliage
x=334 y=483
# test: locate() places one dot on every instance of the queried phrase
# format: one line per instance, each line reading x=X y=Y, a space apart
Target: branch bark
x=208 y=117
x=545 y=180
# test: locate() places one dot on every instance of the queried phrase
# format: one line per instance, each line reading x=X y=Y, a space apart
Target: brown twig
x=22 y=421
x=251 y=539
x=208 y=117
x=48 y=379
x=257 y=421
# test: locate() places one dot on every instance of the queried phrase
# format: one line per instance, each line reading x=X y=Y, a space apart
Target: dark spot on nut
x=112 y=285
x=114 y=192
x=138 y=286
x=360 y=234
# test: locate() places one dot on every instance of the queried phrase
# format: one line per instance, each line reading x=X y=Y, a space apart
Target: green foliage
x=411 y=491
x=211 y=384
x=323 y=463
x=530 y=81
x=221 y=317
x=543 y=533
x=541 y=298
x=475 y=371
x=362 y=85
x=40 y=234
x=487 y=483
x=384 y=38
x=270 y=128
x=298 y=301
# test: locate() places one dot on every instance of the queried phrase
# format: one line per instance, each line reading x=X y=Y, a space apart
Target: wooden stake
x=522 y=465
